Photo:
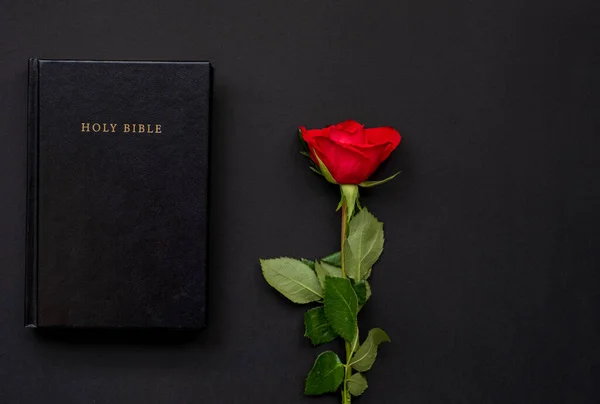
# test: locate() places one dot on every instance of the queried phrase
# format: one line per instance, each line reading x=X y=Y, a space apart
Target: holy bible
x=118 y=159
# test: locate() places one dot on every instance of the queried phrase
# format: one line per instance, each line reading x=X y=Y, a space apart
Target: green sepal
x=317 y=328
x=305 y=151
x=369 y=184
x=366 y=354
x=293 y=279
x=350 y=196
x=341 y=307
x=303 y=145
x=325 y=376
x=313 y=169
x=358 y=204
x=324 y=171
x=334 y=259
x=357 y=384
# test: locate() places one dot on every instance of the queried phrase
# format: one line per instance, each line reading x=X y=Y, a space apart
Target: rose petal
x=384 y=135
x=308 y=134
x=349 y=126
x=350 y=152
x=347 y=164
x=381 y=135
x=348 y=132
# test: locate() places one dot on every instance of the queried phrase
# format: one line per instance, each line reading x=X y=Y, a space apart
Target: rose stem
x=344 y=232
x=348 y=369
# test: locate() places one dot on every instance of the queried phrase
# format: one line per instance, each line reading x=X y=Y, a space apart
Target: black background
x=489 y=285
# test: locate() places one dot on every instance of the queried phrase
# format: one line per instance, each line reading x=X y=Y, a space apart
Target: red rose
x=350 y=152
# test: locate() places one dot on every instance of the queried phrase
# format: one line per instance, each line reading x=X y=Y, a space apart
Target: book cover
x=118 y=160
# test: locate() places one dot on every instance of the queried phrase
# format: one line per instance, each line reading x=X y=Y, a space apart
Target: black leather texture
x=118 y=218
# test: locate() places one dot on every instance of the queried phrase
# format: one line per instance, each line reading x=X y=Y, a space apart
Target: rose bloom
x=350 y=152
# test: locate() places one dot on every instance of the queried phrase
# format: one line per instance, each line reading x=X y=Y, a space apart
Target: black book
x=117 y=194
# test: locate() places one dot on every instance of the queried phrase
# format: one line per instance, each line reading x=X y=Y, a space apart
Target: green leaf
x=326 y=375
x=324 y=270
x=341 y=307
x=350 y=194
x=365 y=356
x=361 y=292
x=357 y=384
x=334 y=259
x=364 y=244
x=324 y=170
x=293 y=279
x=367 y=293
x=310 y=263
x=369 y=184
x=317 y=328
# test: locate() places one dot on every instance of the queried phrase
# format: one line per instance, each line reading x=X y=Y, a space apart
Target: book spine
x=207 y=201
x=31 y=249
